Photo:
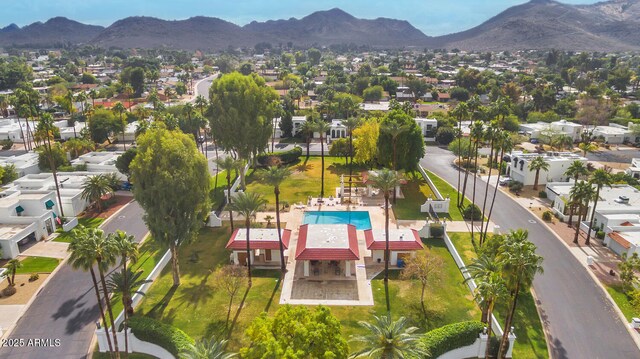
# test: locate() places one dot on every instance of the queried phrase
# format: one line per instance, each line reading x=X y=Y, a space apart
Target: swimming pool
x=360 y=219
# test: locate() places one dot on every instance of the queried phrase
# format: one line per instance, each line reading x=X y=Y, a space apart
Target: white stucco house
x=25 y=217
x=634 y=169
x=558 y=162
x=26 y=163
x=403 y=243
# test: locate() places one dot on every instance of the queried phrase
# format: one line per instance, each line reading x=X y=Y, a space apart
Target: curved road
x=66 y=308
x=578 y=317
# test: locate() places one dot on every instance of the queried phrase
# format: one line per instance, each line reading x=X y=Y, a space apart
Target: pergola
x=327 y=242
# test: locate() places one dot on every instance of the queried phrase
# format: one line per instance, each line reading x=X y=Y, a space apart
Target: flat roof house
x=26 y=163
x=25 y=217
x=558 y=164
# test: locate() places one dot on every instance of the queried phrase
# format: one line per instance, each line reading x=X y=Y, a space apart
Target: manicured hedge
x=150 y=330
x=450 y=337
x=285 y=157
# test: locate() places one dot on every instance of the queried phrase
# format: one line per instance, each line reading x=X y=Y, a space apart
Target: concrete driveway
x=578 y=317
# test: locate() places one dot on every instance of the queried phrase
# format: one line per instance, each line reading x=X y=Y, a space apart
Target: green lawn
x=200 y=310
x=38 y=265
x=530 y=342
x=622 y=301
x=219 y=187
x=87 y=222
x=149 y=254
x=415 y=192
x=305 y=180
x=446 y=190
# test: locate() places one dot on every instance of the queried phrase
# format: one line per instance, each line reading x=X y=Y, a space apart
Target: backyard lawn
x=530 y=342
x=196 y=298
x=305 y=180
x=38 y=265
x=93 y=222
x=415 y=192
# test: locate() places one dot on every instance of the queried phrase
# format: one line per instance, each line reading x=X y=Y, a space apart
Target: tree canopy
x=409 y=144
x=296 y=332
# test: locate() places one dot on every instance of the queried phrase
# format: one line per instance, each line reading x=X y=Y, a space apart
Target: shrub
x=472 y=212
x=542 y=194
x=546 y=216
x=285 y=157
x=600 y=234
x=450 y=337
x=515 y=186
x=6 y=144
x=34 y=277
x=171 y=338
x=9 y=291
x=436 y=230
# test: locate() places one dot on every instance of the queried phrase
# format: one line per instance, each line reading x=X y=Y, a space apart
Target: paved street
x=579 y=318
x=66 y=308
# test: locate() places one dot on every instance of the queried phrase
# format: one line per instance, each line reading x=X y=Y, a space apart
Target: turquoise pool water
x=360 y=219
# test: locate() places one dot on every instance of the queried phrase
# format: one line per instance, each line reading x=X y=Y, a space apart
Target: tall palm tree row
x=248 y=204
x=478 y=135
x=126 y=281
x=274 y=176
x=351 y=124
x=580 y=196
x=46 y=128
x=473 y=106
x=89 y=247
x=599 y=179
x=119 y=109
x=576 y=170
x=461 y=113
x=505 y=144
x=491 y=136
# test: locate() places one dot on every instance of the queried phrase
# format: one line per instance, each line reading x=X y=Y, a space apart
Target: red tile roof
x=627 y=224
x=327 y=254
x=241 y=243
x=620 y=240
x=394 y=245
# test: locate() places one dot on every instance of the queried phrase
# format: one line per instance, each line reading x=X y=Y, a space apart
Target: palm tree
x=477 y=130
x=520 y=265
x=120 y=110
x=386 y=181
x=228 y=164
x=351 y=124
x=46 y=128
x=587 y=147
x=599 y=178
x=537 y=165
x=490 y=290
x=89 y=246
x=93 y=95
x=274 y=176
x=460 y=112
x=321 y=127
x=12 y=268
x=307 y=129
x=128 y=249
x=580 y=196
x=388 y=339
x=481 y=269
x=576 y=169
x=394 y=130
x=248 y=205
x=207 y=349
x=479 y=135
x=492 y=135
x=94 y=187
x=78 y=146
x=505 y=144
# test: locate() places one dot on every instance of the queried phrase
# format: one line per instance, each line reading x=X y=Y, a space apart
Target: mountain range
x=539 y=24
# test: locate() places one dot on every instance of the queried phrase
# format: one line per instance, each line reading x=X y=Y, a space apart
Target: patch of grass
x=38 y=265
x=305 y=180
x=219 y=187
x=446 y=190
x=622 y=301
x=93 y=222
x=530 y=342
x=415 y=192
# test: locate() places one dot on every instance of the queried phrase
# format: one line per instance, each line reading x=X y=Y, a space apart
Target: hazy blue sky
x=430 y=16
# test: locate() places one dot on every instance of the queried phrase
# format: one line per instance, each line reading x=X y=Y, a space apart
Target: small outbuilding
x=264 y=244
x=403 y=243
